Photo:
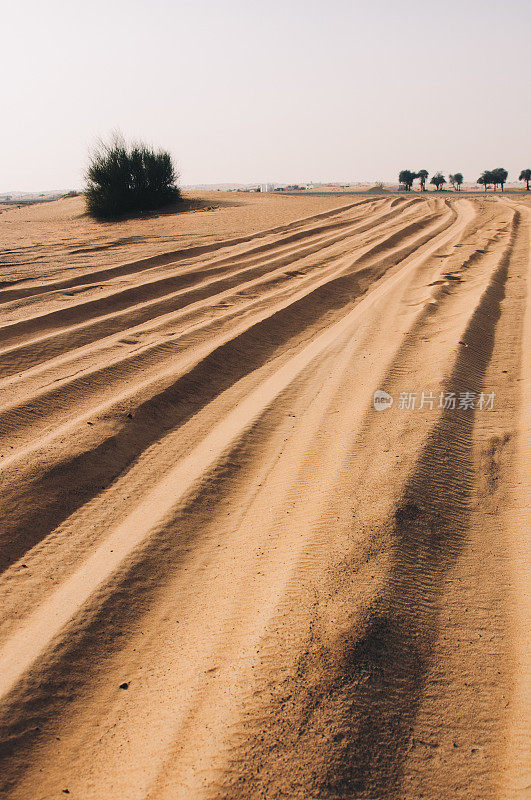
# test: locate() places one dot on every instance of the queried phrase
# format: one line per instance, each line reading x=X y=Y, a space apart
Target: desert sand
x=225 y=574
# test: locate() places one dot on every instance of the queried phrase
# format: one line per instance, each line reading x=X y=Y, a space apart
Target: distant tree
x=486 y=179
x=525 y=175
x=422 y=174
x=438 y=180
x=456 y=181
x=406 y=178
x=499 y=177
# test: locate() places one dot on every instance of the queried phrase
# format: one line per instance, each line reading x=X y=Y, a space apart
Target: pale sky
x=266 y=90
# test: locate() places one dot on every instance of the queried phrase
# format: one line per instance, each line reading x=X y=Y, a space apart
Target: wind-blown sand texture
x=224 y=574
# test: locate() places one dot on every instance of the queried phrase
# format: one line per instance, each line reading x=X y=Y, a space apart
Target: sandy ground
x=225 y=574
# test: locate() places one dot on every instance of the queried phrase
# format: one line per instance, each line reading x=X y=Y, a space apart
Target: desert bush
x=124 y=179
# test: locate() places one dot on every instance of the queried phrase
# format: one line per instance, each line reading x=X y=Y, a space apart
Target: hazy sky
x=266 y=90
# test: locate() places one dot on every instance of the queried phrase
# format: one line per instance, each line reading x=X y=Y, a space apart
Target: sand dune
x=224 y=573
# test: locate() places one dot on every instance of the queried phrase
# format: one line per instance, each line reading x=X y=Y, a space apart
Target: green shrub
x=125 y=180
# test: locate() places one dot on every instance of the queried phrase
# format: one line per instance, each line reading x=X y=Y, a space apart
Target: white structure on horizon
x=267 y=187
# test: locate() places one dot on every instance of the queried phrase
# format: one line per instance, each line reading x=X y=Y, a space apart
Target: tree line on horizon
x=489 y=177
x=407 y=176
